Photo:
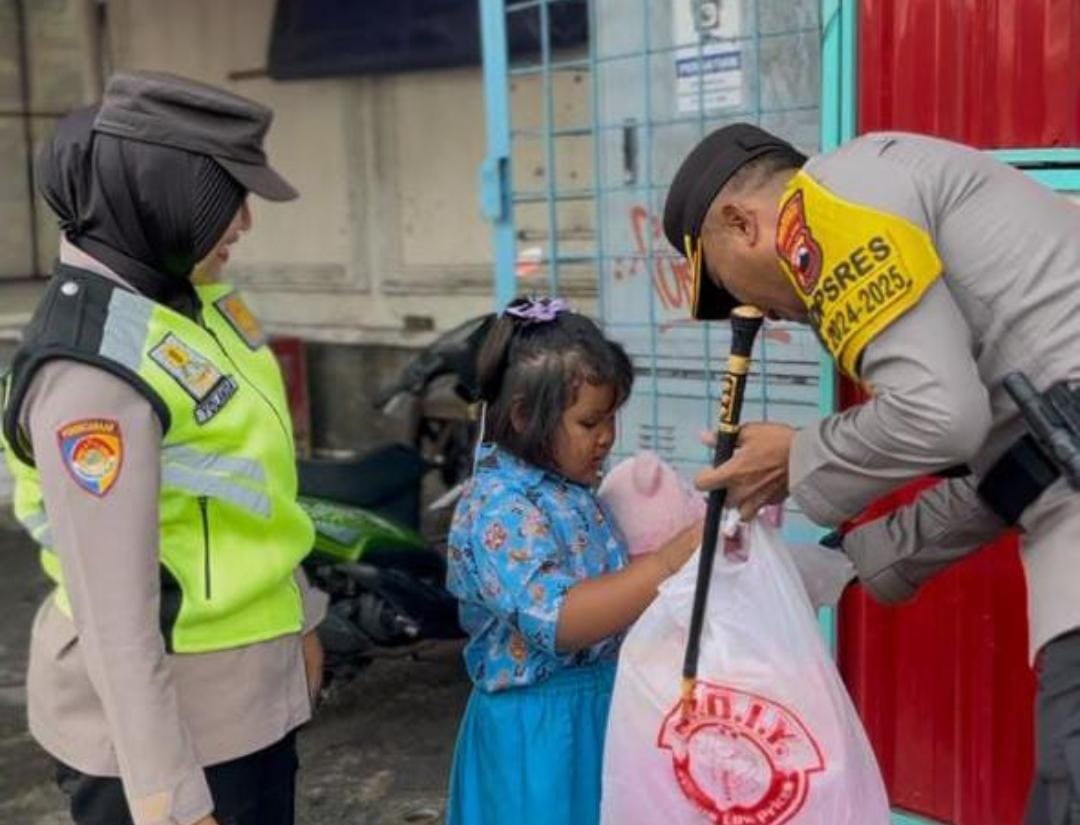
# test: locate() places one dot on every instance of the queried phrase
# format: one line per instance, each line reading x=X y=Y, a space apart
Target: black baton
x=745 y=323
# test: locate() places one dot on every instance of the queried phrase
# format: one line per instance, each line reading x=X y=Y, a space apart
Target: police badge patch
x=198 y=376
x=241 y=319
x=796 y=245
x=93 y=452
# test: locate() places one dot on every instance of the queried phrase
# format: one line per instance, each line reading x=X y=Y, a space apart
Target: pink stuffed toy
x=650 y=502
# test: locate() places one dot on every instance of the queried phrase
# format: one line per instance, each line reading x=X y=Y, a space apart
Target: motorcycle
x=384 y=579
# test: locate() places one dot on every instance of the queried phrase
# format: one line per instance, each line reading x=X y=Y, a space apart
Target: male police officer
x=930 y=272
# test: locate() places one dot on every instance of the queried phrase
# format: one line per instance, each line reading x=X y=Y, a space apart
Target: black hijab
x=148 y=212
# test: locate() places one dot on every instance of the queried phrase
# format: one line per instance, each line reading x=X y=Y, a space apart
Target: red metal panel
x=943 y=686
x=991 y=73
x=943 y=682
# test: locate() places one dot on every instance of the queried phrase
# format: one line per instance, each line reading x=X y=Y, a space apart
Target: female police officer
x=146 y=427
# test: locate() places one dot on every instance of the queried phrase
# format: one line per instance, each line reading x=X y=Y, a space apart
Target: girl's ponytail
x=494 y=358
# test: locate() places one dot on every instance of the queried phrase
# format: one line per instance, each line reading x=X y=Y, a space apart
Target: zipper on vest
x=204 y=511
x=250 y=383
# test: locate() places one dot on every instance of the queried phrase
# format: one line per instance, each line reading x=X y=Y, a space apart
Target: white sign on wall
x=709 y=58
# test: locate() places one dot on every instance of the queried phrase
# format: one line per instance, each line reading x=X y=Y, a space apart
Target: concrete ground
x=378 y=753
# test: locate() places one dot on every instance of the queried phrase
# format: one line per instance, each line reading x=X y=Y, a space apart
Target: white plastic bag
x=824 y=572
x=773 y=737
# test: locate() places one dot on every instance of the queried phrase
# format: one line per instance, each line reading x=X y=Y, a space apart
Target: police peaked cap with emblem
x=160 y=108
x=699 y=180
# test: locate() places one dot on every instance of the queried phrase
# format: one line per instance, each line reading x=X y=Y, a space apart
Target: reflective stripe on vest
x=193 y=471
x=215 y=486
x=126 y=328
x=210 y=463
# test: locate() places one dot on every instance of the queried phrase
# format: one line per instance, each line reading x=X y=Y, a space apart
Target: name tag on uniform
x=241 y=319
x=196 y=374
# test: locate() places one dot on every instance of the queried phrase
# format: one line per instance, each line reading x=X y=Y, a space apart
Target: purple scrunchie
x=538 y=310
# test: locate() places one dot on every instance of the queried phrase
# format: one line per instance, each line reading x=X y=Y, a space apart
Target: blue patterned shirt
x=520 y=539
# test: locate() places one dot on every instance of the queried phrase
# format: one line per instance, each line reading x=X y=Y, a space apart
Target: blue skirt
x=533 y=755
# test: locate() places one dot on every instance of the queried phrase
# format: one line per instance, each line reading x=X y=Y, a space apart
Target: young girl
x=541 y=573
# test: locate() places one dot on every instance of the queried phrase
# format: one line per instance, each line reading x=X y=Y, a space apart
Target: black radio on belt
x=1050 y=449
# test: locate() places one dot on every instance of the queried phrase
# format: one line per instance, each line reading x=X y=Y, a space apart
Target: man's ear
x=740 y=221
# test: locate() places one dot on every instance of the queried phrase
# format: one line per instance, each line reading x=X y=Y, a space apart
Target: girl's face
x=587 y=433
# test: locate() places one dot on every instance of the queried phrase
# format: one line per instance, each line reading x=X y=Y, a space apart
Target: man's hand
x=207 y=820
x=313 y=663
x=757 y=475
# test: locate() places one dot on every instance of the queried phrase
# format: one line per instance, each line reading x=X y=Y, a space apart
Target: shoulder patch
x=796 y=245
x=196 y=374
x=93 y=452
x=241 y=319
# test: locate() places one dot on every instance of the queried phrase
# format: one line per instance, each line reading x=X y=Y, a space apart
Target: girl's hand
x=601 y=607
x=678 y=551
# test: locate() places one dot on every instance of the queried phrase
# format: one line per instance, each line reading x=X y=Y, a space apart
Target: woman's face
x=208 y=270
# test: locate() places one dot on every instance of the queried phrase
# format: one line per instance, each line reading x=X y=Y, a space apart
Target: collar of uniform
x=71 y=255
x=496 y=459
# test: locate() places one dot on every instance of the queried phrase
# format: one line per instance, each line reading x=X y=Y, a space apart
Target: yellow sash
x=857 y=269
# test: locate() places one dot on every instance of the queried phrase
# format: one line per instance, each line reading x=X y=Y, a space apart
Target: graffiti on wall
x=670 y=277
x=667 y=269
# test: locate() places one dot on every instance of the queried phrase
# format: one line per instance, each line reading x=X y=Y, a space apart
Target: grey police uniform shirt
x=103 y=696
x=1009 y=299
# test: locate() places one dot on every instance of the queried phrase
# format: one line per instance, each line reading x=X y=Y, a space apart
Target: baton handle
x=745 y=323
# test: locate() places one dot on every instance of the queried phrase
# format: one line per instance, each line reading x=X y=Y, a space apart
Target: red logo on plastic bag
x=741 y=758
